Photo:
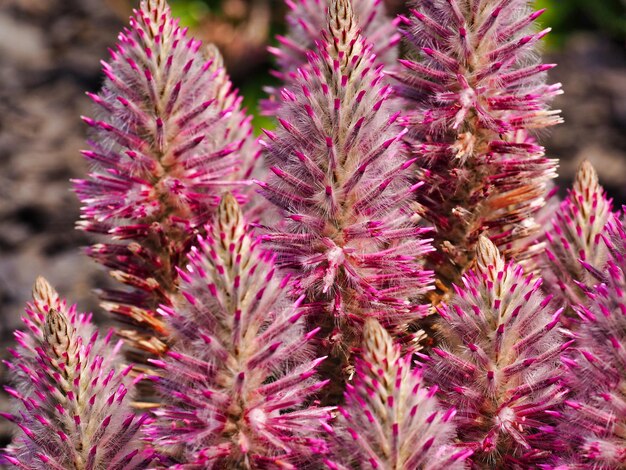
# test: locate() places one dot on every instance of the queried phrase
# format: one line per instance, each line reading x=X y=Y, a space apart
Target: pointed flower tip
x=229 y=211
x=488 y=255
x=43 y=292
x=262 y=335
x=586 y=176
x=66 y=345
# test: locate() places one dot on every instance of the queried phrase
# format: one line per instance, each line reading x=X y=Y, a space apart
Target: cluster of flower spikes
x=73 y=407
x=305 y=21
x=170 y=136
x=575 y=239
x=237 y=382
x=341 y=179
x=475 y=90
x=390 y=419
x=596 y=422
x=499 y=364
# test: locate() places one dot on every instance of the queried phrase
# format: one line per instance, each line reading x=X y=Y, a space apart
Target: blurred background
x=49 y=56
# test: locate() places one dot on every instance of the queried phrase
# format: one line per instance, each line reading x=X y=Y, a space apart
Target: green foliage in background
x=191 y=12
x=252 y=94
x=567 y=16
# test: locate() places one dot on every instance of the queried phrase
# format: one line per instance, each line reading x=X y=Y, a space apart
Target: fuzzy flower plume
x=306 y=21
x=475 y=90
x=597 y=419
x=239 y=374
x=390 y=419
x=169 y=137
x=500 y=364
x=72 y=404
x=576 y=235
x=341 y=179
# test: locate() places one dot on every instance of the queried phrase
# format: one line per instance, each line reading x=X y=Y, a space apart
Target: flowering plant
x=367 y=286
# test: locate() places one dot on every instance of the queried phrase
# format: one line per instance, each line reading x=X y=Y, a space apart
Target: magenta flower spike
x=475 y=91
x=341 y=179
x=306 y=21
x=576 y=235
x=390 y=419
x=169 y=138
x=72 y=398
x=596 y=421
x=237 y=383
x=499 y=364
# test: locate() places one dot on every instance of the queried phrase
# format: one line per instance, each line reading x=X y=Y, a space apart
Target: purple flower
x=169 y=137
x=576 y=235
x=499 y=364
x=596 y=419
x=341 y=179
x=475 y=90
x=237 y=384
x=306 y=23
x=72 y=403
x=390 y=419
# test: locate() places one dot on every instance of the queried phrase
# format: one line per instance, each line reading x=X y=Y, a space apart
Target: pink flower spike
x=579 y=222
x=596 y=414
x=170 y=138
x=240 y=377
x=61 y=402
x=409 y=431
x=353 y=250
x=475 y=94
x=501 y=370
x=306 y=24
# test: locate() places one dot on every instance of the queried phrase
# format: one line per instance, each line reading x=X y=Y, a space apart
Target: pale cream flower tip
x=487 y=255
x=378 y=345
x=44 y=293
x=586 y=178
x=375 y=337
x=229 y=212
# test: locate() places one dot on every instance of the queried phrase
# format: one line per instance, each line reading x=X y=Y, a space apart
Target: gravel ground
x=593 y=73
x=49 y=56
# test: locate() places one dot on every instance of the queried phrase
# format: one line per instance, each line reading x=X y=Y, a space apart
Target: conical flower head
x=237 y=383
x=169 y=136
x=499 y=363
x=596 y=421
x=341 y=179
x=72 y=400
x=475 y=90
x=390 y=419
x=306 y=21
x=576 y=235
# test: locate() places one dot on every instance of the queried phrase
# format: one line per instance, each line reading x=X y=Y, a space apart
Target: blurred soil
x=49 y=56
x=593 y=73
